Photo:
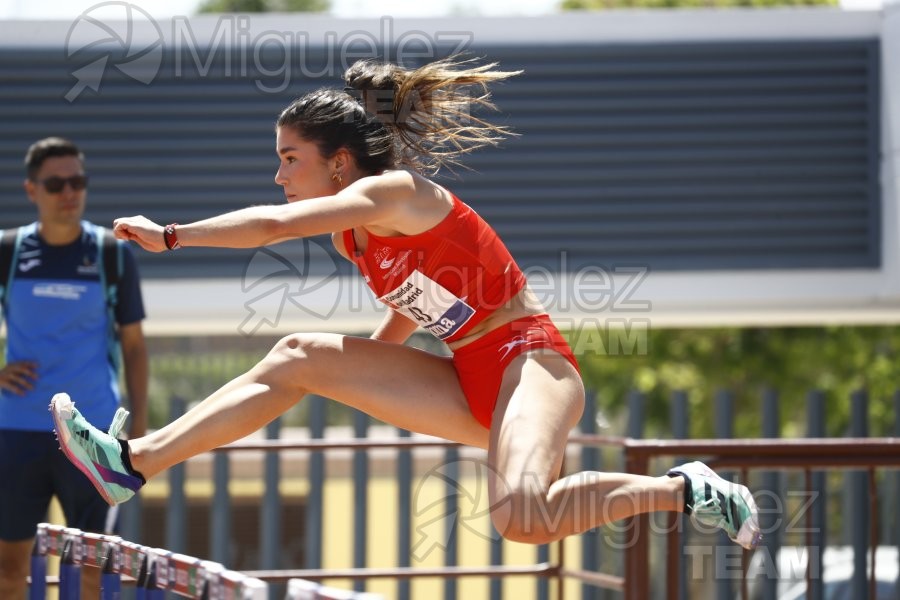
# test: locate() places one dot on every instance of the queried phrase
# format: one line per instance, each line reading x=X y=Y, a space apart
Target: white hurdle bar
x=155 y=570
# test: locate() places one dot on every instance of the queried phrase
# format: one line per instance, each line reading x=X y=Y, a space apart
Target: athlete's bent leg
x=540 y=401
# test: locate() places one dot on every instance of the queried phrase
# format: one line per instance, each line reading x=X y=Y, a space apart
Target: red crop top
x=446 y=279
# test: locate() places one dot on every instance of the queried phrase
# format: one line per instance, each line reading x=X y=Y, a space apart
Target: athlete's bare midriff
x=523 y=304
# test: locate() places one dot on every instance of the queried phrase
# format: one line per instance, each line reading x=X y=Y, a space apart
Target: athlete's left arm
x=137 y=371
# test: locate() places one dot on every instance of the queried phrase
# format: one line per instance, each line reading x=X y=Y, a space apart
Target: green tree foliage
x=613 y=4
x=258 y=6
x=791 y=361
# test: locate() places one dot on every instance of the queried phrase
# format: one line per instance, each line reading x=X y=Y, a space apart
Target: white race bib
x=429 y=304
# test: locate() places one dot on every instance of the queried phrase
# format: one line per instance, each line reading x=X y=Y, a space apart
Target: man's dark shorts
x=32 y=470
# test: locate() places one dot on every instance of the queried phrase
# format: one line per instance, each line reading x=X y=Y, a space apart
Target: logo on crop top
x=383 y=258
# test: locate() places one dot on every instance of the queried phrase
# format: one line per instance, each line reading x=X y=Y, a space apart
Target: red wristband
x=170 y=237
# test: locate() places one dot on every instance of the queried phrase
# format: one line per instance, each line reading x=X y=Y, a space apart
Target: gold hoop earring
x=337 y=179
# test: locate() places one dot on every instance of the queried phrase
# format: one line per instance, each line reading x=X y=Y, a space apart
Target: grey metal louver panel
x=676 y=156
x=688 y=156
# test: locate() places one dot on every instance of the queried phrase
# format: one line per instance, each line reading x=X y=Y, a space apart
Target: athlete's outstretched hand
x=142 y=230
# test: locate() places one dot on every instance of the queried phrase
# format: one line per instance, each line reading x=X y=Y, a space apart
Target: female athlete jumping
x=355 y=163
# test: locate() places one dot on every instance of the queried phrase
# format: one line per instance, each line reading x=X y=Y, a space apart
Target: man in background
x=72 y=306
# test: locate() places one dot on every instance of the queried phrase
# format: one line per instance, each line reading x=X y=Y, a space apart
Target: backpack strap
x=110 y=260
x=111 y=254
x=9 y=252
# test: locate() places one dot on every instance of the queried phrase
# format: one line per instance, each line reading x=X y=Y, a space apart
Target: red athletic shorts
x=480 y=365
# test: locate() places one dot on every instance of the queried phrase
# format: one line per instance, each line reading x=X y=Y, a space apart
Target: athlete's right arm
x=257 y=226
x=395 y=328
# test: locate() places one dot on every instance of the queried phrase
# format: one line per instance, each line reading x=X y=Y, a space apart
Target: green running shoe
x=719 y=503
x=96 y=454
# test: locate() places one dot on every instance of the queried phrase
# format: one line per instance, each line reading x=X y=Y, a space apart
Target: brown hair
x=390 y=116
x=50 y=147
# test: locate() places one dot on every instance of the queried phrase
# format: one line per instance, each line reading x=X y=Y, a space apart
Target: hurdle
x=301 y=589
x=153 y=570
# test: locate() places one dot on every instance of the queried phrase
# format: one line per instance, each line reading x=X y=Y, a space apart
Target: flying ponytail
x=388 y=116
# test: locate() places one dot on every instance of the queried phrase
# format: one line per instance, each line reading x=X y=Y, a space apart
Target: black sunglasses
x=55 y=185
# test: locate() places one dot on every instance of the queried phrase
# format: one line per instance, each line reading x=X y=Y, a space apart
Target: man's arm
x=137 y=373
